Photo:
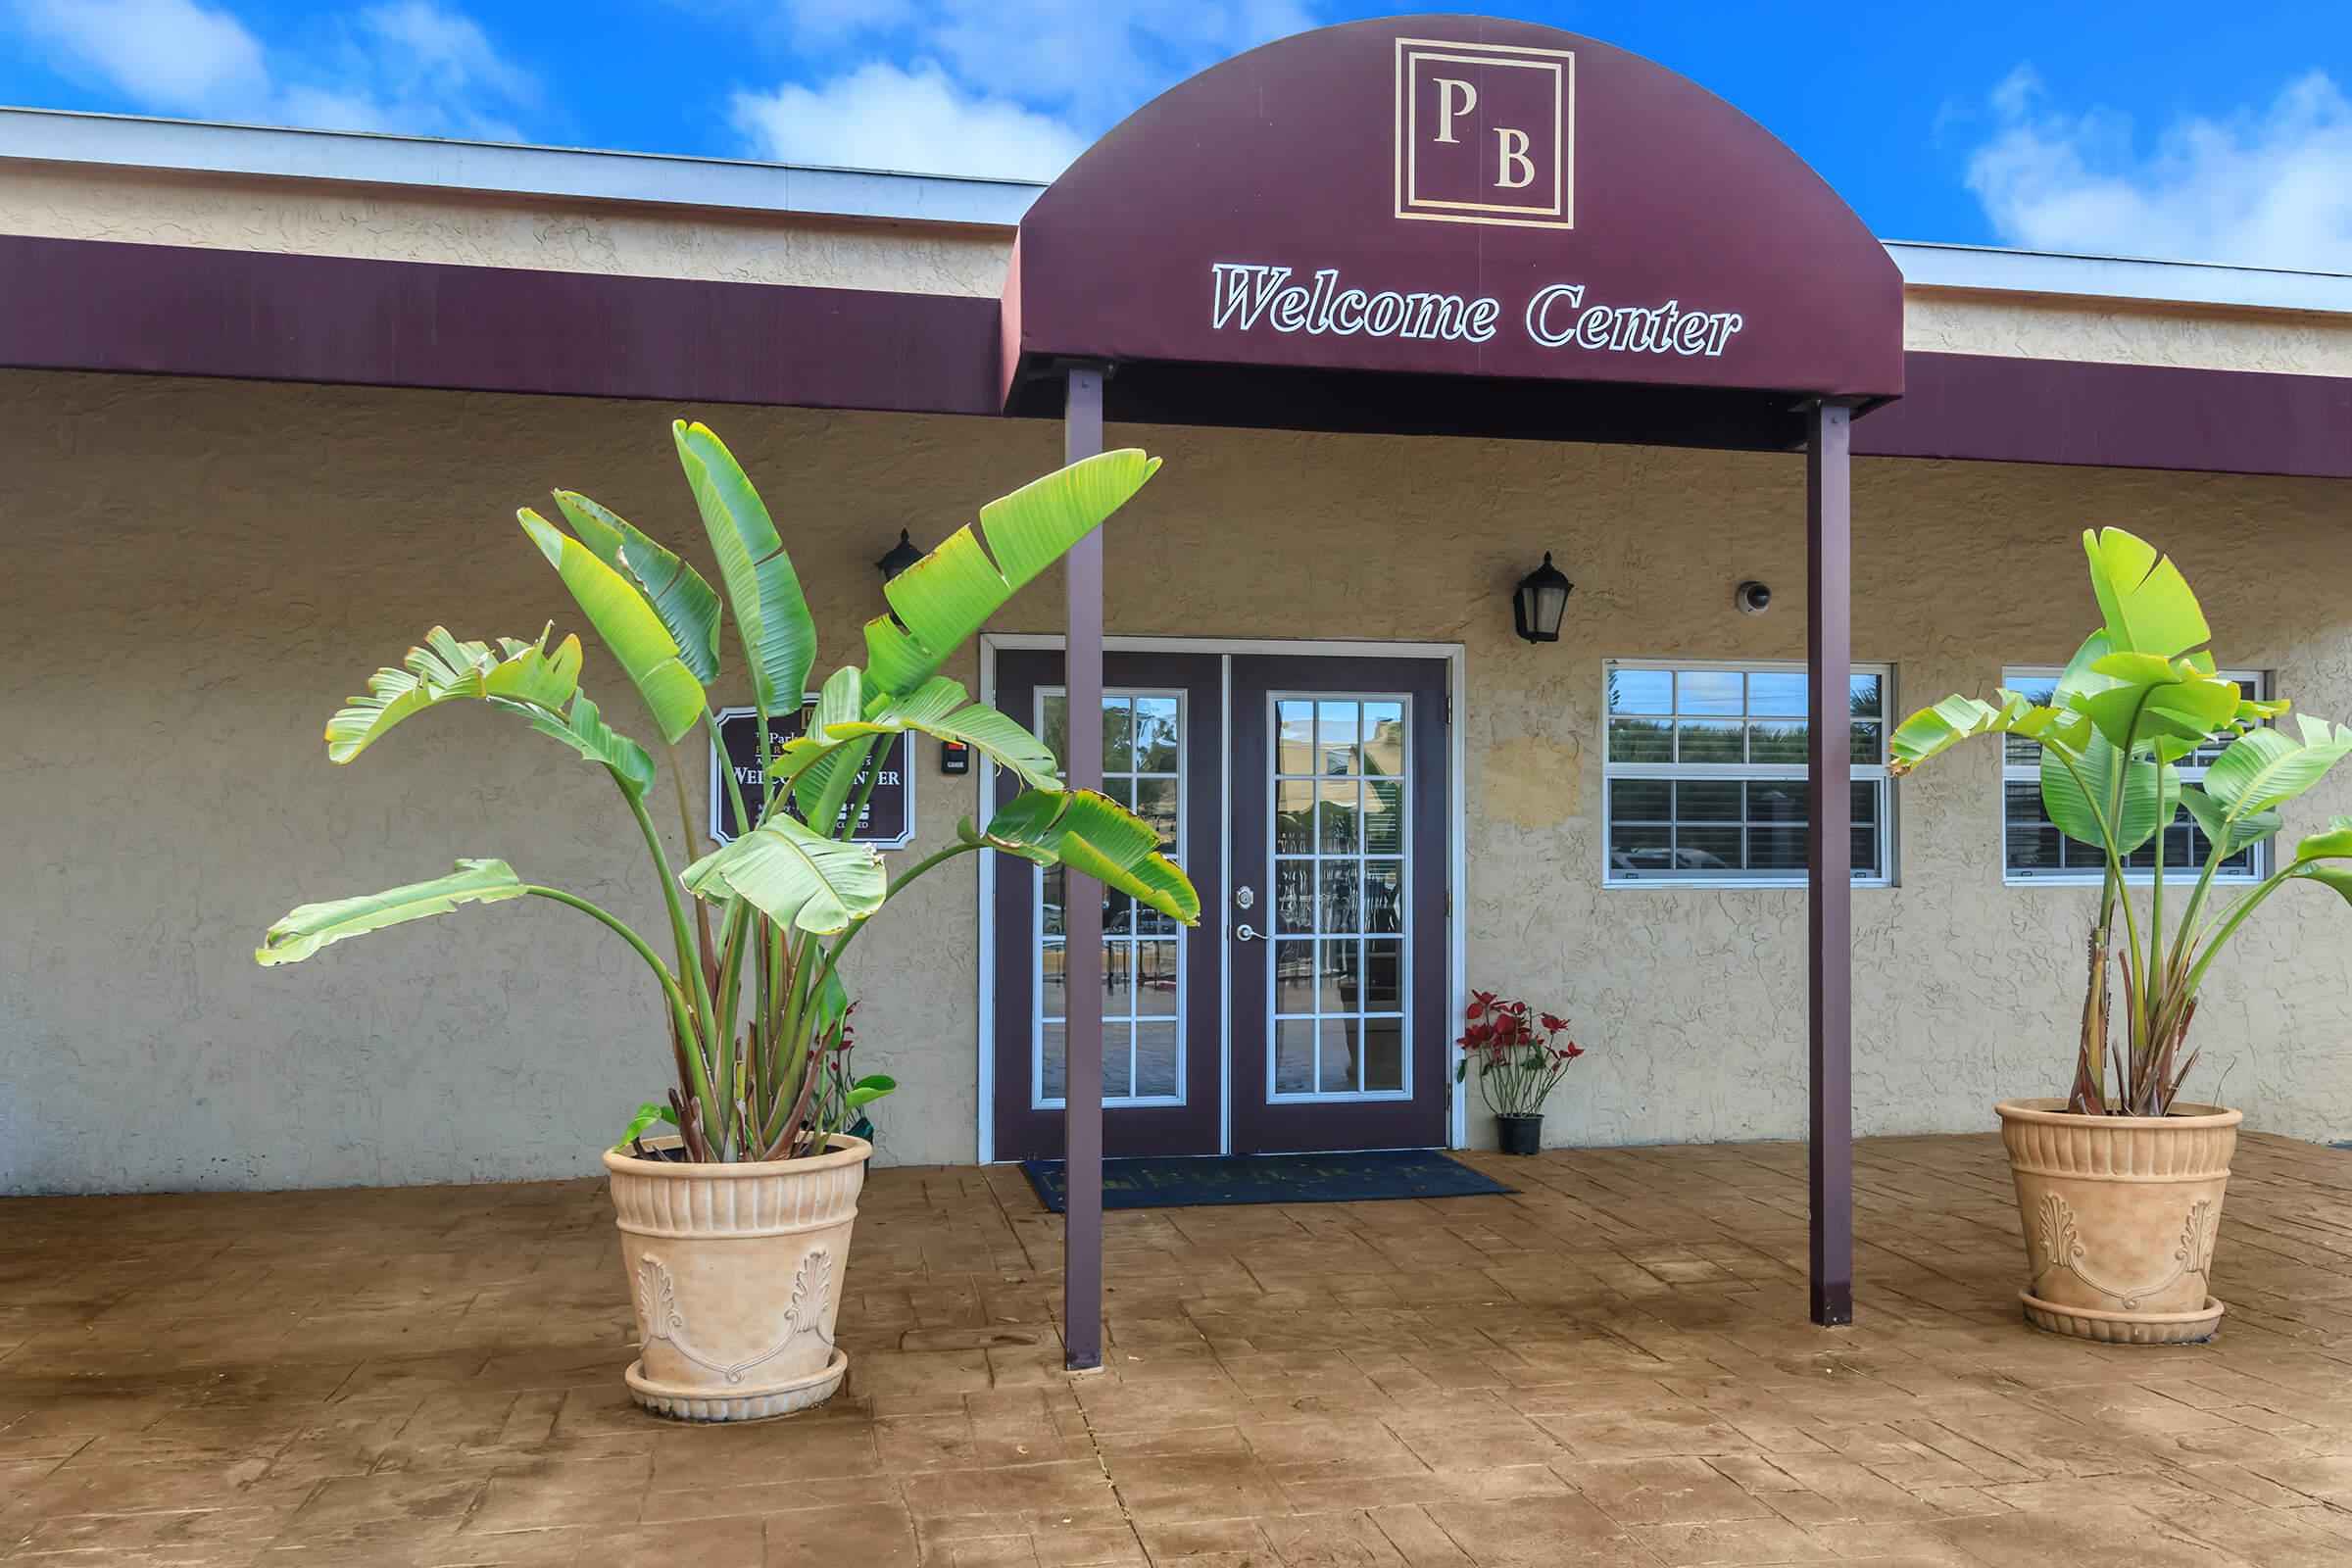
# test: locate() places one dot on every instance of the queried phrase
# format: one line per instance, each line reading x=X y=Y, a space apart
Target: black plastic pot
x=1520 y=1135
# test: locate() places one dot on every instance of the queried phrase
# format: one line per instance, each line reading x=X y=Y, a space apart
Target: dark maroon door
x=1163 y=742
x=1337 y=904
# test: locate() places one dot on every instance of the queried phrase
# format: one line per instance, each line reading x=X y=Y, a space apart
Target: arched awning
x=1448 y=224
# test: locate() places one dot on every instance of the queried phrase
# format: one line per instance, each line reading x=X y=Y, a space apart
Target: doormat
x=1197 y=1181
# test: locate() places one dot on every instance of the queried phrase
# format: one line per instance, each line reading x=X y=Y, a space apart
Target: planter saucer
x=2120 y=1328
x=751 y=1404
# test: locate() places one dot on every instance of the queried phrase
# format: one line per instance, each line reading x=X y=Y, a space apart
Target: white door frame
x=1226 y=647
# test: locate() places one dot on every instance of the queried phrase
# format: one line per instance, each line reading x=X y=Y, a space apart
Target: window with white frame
x=1705 y=773
x=2034 y=850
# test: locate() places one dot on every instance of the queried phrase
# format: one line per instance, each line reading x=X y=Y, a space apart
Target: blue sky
x=2214 y=132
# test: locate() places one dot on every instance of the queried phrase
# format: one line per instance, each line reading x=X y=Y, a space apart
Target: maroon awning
x=1440 y=198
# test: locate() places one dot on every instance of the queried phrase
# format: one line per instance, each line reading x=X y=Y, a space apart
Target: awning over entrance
x=1471 y=227
x=1516 y=231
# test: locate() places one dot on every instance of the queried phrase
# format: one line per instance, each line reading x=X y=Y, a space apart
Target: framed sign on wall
x=886 y=823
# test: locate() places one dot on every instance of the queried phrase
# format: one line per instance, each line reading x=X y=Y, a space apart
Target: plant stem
x=709 y=1068
x=708 y=950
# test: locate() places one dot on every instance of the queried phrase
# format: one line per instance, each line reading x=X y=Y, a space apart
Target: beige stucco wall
x=327 y=217
x=199 y=571
x=2033 y=326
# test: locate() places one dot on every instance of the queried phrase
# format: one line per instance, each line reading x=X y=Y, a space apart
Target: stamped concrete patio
x=1612 y=1366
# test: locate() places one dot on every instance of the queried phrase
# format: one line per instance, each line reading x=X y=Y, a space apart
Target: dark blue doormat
x=1197 y=1181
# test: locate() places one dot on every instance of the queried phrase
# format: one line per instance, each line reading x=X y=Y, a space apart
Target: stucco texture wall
x=327 y=217
x=201 y=571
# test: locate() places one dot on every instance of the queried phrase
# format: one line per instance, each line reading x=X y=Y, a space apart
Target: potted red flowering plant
x=1520 y=1058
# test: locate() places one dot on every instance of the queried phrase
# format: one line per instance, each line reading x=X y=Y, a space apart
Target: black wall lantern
x=1540 y=601
x=901 y=554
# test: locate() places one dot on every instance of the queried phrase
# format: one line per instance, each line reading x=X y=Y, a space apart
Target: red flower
x=1554 y=1023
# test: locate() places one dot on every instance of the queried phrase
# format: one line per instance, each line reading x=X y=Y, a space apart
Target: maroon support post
x=1082 y=919
x=1829 y=794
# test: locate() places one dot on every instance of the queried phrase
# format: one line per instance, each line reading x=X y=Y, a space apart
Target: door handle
x=1242 y=933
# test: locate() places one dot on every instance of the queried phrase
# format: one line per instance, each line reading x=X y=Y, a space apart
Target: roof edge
x=128 y=141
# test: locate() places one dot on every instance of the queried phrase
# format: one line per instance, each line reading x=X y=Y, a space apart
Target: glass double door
x=1306 y=799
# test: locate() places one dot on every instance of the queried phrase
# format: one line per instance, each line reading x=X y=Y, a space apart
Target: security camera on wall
x=1753 y=598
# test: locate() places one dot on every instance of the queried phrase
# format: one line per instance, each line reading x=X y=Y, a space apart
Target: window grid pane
x=1707 y=769
x=1142 y=979
x=1340 y=800
x=2034 y=850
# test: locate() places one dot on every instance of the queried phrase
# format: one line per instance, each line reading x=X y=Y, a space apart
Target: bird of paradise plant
x=2140 y=694
x=752 y=985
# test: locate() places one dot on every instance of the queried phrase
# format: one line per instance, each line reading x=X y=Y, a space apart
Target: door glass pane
x=1050 y=1068
x=1384 y=1053
x=1295 y=896
x=1143 y=958
x=1155 y=1060
x=1384 y=895
x=1383 y=818
x=1339 y=902
x=1336 y=737
x=1118 y=1039
x=1156 y=979
x=1335 y=819
x=1384 y=975
x=1295 y=978
x=1336 y=1060
x=1155 y=734
x=1155 y=804
x=1339 y=870
x=1381 y=751
x=1294 y=1055
x=1295 y=817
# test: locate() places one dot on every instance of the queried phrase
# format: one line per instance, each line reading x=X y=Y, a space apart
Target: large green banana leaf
x=585 y=731
x=2146 y=601
x=771 y=614
x=946 y=596
x=2151 y=794
x=687 y=605
x=306 y=930
x=795 y=874
x=1956 y=719
x=442 y=668
x=2334 y=844
x=938 y=708
x=2264 y=768
x=2176 y=704
x=620 y=614
x=524 y=678
x=1094 y=836
x=2232 y=834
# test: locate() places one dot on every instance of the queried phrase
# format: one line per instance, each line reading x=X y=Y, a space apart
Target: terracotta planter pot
x=2119 y=1214
x=737 y=1274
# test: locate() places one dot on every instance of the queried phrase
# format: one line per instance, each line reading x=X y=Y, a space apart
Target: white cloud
x=171 y=55
x=412 y=67
x=1101 y=57
x=407 y=65
x=2267 y=187
x=881 y=116
x=998 y=86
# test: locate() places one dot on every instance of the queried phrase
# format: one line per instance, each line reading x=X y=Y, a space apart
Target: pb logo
x=1485 y=134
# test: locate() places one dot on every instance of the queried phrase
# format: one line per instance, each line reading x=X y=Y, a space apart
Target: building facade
x=267 y=415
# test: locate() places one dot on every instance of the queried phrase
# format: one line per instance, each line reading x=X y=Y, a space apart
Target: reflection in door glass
x=1142 y=1028
x=1341 y=909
